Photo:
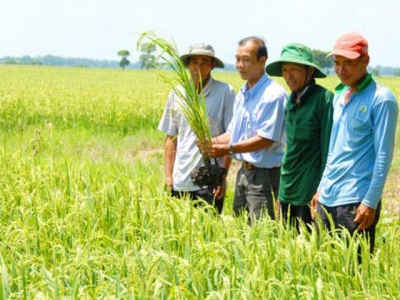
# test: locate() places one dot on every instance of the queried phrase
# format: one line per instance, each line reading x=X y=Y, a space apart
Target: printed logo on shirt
x=363 y=109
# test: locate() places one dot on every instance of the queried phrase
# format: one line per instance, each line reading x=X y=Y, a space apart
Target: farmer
x=181 y=153
x=256 y=135
x=308 y=126
x=361 y=144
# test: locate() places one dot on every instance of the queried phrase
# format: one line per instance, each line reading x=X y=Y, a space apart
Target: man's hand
x=202 y=147
x=218 y=150
x=365 y=216
x=278 y=210
x=213 y=149
x=168 y=184
x=220 y=191
x=313 y=204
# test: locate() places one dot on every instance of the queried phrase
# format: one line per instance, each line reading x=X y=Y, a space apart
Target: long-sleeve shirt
x=308 y=129
x=361 y=145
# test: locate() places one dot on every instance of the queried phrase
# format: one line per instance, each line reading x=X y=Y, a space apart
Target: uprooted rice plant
x=84 y=215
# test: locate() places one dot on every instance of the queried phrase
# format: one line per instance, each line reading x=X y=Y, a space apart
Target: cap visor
x=345 y=53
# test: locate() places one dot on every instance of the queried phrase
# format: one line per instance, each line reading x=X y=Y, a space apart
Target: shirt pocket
x=251 y=129
x=304 y=133
x=252 y=124
x=361 y=121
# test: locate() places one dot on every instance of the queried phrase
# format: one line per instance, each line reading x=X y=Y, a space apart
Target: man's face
x=200 y=66
x=350 y=71
x=296 y=75
x=249 y=66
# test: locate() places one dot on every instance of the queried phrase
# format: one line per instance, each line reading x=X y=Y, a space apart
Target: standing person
x=181 y=153
x=256 y=133
x=361 y=146
x=308 y=127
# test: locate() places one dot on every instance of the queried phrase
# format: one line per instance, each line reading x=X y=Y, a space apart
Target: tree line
x=53 y=60
x=148 y=59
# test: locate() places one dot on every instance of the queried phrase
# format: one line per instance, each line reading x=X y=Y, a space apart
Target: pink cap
x=351 y=45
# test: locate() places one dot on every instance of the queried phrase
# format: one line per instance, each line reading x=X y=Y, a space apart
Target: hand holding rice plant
x=193 y=106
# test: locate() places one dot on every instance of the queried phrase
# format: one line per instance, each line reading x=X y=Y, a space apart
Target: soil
x=208 y=175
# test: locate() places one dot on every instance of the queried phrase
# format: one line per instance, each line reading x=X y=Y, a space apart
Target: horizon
x=229 y=69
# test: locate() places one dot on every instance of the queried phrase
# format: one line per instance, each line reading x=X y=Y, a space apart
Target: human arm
x=169 y=125
x=250 y=145
x=326 y=120
x=169 y=160
x=365 y=216
x=313 y=204
x=278 y=210
x=222 y=139
x=220 y=191
x=385 y=121
x=385 y=116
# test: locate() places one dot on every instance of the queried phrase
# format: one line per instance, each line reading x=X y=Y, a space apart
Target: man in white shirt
x=181 y=153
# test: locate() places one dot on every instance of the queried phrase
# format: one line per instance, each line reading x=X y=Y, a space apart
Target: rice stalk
x=193 y=106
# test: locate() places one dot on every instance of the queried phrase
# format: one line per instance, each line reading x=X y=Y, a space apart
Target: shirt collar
x=260 y=83
x=303 y=94
x=207 y=88
x=367 y=80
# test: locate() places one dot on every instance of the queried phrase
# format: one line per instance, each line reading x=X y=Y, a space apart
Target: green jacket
x=308 y=128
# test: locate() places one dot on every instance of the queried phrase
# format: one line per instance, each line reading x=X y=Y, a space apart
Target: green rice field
x=84 y=213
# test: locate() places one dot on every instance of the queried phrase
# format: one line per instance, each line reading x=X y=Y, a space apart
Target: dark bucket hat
x=294 y=53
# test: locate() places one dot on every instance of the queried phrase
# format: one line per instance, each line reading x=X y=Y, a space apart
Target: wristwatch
x=230 y=150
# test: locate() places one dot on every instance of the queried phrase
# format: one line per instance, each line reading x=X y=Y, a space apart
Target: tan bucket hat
x=201 y=49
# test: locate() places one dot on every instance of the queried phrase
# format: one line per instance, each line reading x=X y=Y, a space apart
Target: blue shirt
x=361 y=146
x=260 y=111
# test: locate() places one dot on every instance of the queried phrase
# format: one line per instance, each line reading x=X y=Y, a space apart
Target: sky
x=98 y=29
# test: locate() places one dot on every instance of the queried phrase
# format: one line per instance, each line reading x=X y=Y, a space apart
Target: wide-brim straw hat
x=297 y=54
x=202 y=49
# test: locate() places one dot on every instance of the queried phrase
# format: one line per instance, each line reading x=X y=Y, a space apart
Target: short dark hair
x=262 y=48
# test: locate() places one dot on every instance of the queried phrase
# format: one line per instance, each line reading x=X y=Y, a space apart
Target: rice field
x=84 y=214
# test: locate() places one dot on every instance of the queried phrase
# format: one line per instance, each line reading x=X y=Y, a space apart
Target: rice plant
x=193 y=106
x=83 y=214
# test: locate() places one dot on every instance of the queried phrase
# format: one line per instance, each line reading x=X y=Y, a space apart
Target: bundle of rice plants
x=193 y=106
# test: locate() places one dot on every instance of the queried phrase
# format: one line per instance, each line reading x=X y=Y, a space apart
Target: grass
x=84 y=214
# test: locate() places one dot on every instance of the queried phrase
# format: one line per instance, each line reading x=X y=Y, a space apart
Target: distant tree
x=11 y=62
x=148 y=60
x=396 y=72
x=52 y=60
x=376 y=71
x=323 y=61
x=124 y=60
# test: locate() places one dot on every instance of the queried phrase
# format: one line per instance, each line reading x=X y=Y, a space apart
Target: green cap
x=297 y=54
